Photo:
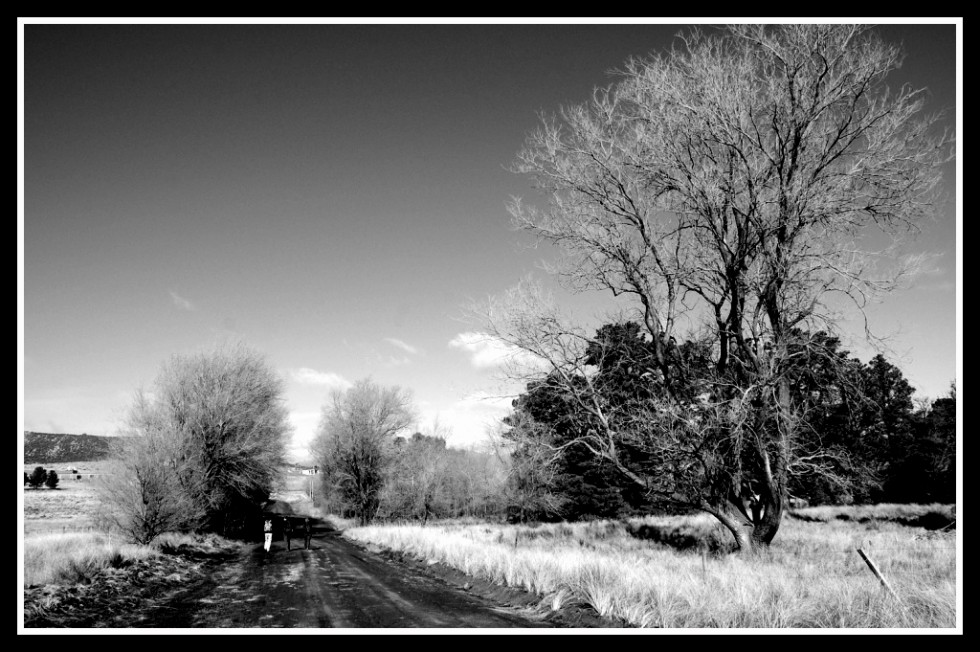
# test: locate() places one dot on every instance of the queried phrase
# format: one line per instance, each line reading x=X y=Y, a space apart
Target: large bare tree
x=730 y=190
x=354 y=443
x=206 y=447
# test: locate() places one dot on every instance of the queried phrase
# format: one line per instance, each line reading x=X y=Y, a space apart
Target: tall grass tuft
x=75 y=557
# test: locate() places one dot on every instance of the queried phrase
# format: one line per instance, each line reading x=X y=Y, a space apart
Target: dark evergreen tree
x=923 y=468
x=38 y=477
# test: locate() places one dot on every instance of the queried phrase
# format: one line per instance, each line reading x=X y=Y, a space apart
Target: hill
x=44 y=447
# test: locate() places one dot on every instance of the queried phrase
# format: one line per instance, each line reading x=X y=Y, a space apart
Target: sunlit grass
x=69 y=500
x=76 y=556
x=810 y=577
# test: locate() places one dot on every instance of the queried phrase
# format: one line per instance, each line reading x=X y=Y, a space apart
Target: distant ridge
x=41 y=447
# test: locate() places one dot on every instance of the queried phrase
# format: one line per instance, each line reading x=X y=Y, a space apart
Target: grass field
x=812 y=575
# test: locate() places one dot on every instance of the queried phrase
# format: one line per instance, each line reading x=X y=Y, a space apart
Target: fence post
x=877 y=573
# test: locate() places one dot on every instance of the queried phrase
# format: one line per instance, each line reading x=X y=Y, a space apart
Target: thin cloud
x=486 y=351
x=408 y=348
x=181 y=302
x=309 y=376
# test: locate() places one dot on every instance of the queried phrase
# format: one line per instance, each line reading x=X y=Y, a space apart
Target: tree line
x=39 y=476
x=205 y=448
x=371 y=467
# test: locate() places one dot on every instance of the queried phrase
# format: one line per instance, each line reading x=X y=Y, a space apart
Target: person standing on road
x=287 y=530
x=268 y=534
x=307 y=531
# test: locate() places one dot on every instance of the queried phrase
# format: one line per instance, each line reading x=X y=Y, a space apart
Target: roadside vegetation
x=90 y=579
x=675 y=571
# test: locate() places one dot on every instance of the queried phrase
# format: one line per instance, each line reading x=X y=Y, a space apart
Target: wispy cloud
x=181 y=302
x=486 y=351
x=309 y=376
x=408 y=348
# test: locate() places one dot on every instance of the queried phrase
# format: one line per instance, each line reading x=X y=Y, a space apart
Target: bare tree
x=427 y=479
x=213 y=433
x=355 y=439
x=139 y=494
x=531 y=465
x=229 y=412
x=417 y=483
x=728 y=189
x=477 y=482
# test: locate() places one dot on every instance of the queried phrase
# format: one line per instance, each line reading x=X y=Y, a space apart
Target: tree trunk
x=739 y=524
x=765 y=527
x=752 y=529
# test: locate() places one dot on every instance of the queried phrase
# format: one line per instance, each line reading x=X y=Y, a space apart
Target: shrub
x=51 y=482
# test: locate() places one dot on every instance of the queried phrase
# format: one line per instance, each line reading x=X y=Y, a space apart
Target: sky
x=333 y=196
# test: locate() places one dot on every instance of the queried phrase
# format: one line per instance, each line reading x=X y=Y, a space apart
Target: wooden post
x=877 y=573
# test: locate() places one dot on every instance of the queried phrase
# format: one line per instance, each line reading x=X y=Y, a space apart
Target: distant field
x=70 y=507
x=67 y=509
x=62 y=468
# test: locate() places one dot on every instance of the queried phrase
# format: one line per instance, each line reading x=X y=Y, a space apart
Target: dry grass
x=71 y=506
x=882 y=512
x=76 y=556
x=811 y=577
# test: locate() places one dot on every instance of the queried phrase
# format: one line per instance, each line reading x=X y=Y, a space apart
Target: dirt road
x=334 y=584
